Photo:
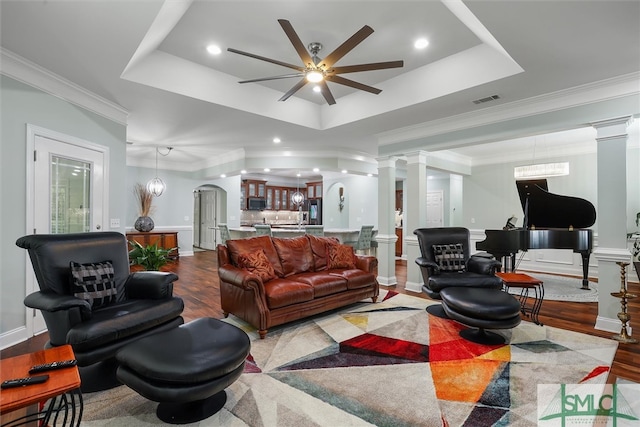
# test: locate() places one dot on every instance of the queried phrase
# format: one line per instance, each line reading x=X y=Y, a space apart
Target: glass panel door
x=70 y=195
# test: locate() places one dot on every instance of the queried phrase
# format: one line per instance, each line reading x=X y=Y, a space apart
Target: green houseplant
x=150 y=257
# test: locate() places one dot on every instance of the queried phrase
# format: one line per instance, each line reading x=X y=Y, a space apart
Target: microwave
x=256 y=204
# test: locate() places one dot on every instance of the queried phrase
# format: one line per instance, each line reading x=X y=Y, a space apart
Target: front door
x=68 y=184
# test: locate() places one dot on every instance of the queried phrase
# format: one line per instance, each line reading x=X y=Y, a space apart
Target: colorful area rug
x=386 y=364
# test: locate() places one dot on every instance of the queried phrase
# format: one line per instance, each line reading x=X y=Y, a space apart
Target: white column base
x=387 y=281
x=610 y=325
x=413 y=287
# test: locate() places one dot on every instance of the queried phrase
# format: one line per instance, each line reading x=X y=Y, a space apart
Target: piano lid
x=547 y=210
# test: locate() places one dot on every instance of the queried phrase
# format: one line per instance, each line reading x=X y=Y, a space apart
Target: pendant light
x=297 y=198
x=156 y=186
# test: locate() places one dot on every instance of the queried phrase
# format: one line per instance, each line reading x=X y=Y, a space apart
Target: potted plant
x=145 y=199
x=150 y=257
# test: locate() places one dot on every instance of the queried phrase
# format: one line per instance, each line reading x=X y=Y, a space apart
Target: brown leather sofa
x=307 y=278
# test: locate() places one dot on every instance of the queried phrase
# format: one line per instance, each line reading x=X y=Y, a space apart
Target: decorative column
x=416 y=214
x=386 y=236
x=612 y=216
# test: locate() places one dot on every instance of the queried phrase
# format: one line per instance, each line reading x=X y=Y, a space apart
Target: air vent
x=487 y=99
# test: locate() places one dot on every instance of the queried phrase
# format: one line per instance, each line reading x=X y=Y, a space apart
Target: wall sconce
x=341 y=203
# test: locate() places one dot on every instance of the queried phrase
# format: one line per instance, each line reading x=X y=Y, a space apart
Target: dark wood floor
x=199 y=287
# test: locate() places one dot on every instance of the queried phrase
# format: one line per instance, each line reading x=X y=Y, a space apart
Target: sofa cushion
x=238 y=246
x=319 y=250
x=340 y=256
x=93 y=282
x=257 y=262
x=323 y=283
x=356 y=278
x=284 y=292
x=449 y=257
x=295 y=254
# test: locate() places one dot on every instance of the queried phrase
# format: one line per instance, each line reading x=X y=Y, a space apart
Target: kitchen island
x=342 y=234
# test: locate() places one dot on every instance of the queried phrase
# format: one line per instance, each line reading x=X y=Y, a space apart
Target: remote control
x=19 y=382
x=53 y=365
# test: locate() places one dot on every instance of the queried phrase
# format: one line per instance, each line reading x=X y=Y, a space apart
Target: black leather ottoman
x=186 y=369
x=482 y=308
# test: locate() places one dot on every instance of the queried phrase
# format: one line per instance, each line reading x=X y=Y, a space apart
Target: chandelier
x=156 y=186
x=297 y=197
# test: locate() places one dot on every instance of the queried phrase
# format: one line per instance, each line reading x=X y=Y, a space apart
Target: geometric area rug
x=385 y=364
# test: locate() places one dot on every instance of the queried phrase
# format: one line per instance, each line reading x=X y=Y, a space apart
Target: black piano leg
x=585 y=270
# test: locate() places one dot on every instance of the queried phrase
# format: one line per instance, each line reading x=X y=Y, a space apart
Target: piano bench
x=481 y=308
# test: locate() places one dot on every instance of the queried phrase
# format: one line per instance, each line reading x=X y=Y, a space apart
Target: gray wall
x=490 y=194
x=21 y=105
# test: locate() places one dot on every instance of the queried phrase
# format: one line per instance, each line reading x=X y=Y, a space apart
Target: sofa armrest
x=242 y=279
x=150 y=285
x=366 y=263
x=52 y=302
x=430 y=266
x=483 y=265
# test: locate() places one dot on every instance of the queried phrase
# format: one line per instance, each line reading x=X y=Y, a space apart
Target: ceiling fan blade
x=328 y=96
x=262 y=58
x=345 y=47
x=293 y=90
x=264 y=79
x=367 y=67
x=296 y=42
x=351 y=83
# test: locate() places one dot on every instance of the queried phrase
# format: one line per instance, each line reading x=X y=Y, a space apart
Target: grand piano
x=551 y=221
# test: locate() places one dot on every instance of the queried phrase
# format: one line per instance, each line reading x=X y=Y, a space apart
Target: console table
x=164 y=240
x=62 y=390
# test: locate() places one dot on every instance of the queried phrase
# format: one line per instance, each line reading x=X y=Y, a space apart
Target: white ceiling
x=555 y=65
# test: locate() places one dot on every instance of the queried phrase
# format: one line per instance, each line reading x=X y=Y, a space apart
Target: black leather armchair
x=478 y=271
x=143 y=301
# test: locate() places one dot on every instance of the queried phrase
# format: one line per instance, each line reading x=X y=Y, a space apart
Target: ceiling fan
x=320 y=71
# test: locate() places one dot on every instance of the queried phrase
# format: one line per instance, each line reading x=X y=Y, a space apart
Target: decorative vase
x=144 y=223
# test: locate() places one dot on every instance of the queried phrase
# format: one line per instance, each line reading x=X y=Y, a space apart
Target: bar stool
x=263 y=229
x=316 y=230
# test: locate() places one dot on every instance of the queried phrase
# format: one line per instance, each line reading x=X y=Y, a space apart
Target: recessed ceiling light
x=214 y=50
x=267 y=170
x=298 y=174
x=369 y=174
x=223 y=175
x=277 y=140
x=316 y=170
x=316 y=89
x=421 y=43
x=344 y=171
x=243 y=171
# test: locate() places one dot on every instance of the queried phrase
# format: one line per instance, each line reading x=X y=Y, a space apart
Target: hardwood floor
x=198 y=286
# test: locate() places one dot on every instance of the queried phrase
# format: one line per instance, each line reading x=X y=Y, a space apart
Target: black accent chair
x=142 y=303
x=475 y=271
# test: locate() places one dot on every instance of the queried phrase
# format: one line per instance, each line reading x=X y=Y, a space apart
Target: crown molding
x=27 y=72
x=603 y=90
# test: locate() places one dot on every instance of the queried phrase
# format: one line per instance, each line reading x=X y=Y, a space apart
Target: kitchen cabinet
x=255 y=188
x=269 y=198
x=314 y=190
x=164 y=240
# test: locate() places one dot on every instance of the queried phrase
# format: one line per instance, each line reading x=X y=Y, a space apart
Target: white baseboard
x=13 y=337
x=387 y=281
x=610 y=325
x=413 y=286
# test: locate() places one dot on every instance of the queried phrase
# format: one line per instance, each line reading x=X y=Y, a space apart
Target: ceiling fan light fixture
x=314 y=76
